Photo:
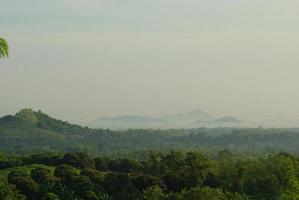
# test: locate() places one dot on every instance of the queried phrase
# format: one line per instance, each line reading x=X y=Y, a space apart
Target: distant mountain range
x=194 y=115
x=182 y=120
x=225 y=119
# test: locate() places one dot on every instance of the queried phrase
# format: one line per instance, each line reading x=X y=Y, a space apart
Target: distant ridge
x=194 y=115
x=227 y=119
x=181 y=120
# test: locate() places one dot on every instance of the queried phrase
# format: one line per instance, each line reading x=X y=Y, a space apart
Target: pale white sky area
x=82 y=59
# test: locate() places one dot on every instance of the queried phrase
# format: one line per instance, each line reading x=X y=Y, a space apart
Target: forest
x=127 y=72
x=174 y=175
x=29 y=132
x=43 y=158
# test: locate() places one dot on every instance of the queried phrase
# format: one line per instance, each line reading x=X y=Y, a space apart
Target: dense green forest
x=171 y=176
x=28 y=132
x=43 y=158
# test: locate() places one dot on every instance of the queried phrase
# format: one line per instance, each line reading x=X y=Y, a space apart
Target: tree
x=202 y=194
x=143 y=181
x=8 y=192
x=153 y=193
x=27 y=115
x=116 y=183
x=78 y=160
x=95 y=176
x=124 y=165
x=24 y=184
x=273 y=178
x=101 y=164
x=65 y=172
x=80 y=184
x=3 y=48
x=42 y=175
x=50 y=196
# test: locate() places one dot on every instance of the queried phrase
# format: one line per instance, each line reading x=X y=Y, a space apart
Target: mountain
x=29 y=130
x=191 y=119
x=29 y=118
x=184 y=120
x=227 y=119
x=190 y=116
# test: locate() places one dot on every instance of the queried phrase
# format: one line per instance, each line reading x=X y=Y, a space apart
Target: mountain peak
x=27 y=115
x=228 y=119
x=194 y=115
x=41 y=120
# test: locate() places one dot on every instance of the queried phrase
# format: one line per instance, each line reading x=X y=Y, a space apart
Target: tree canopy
x=180 y=176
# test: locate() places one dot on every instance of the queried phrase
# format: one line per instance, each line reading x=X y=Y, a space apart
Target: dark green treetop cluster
x=172 y=176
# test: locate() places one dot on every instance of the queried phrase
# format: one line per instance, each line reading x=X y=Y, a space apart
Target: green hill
x=30 y=132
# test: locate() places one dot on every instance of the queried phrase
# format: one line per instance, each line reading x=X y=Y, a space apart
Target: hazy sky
x=82 y=59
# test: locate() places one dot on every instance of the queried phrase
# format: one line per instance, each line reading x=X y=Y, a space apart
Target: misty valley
x=149 y=100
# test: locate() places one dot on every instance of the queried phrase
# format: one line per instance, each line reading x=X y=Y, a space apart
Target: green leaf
x=3 y=48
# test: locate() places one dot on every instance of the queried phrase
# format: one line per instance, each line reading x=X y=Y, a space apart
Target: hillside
x=28 y=132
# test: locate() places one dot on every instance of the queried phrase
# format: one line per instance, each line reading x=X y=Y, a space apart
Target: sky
x=80 y=60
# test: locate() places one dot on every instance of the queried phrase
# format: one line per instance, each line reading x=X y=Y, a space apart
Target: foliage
x=27 y=116
x=63 y=169
x=30 y=132
x=172 y=176
x=9 y=192
x=79 y=160
x=3 y=48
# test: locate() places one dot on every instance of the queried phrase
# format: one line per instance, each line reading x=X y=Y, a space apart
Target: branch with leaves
x=3 y=48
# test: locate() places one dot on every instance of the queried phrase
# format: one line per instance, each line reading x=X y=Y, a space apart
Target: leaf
x=3 y=48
